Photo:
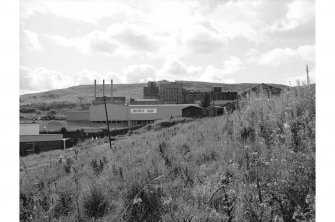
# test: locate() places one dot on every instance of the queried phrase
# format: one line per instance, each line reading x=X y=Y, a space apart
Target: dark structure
x=151 y=91
x=218 y=95
x=193 y=96
x=261 y=90
x=115 y=100
x=171 y=92
x=30 y=144
x=214 y=111
x=229 y=107
x=193 y=111
x=217 y=89
x=144 y=101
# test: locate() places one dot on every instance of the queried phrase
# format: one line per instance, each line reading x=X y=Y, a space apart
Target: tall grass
x=254 y=165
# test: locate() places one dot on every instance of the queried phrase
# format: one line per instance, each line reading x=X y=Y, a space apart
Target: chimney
x=95 y=89
x=111 y=89
x=103 y=88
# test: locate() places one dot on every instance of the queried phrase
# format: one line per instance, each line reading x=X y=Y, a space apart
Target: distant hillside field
x=256 y=164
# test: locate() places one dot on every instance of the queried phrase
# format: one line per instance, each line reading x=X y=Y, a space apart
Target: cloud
x=278 y=56
x=140 y=73
x=306 y=52
x=87 y=77
x=174 y=69
x=213 y=74
x=239 y=19
x=116 y=40
x=42 y=79
x=232 y=65
x=30 y=41
x=299 y=12
x=198 y=39
x=85 y=11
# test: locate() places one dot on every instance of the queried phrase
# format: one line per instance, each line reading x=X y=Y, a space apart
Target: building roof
x=222 y=102
x=146 y=100
x=41 y=137
x=262 y=84
x=195 y=106
x=165 y=105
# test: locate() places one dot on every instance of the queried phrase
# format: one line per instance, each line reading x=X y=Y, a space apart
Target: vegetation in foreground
x=254 y=165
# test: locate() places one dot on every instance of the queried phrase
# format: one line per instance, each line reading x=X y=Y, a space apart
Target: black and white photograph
x=166 y=111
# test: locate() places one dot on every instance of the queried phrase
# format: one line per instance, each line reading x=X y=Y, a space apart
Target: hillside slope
x=253 y=165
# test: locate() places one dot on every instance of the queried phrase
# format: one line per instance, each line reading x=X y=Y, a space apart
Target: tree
x=206 y=101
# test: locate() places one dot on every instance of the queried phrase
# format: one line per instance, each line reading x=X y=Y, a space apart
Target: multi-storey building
x=151 y=91
x=193 y=96
x=171 y=92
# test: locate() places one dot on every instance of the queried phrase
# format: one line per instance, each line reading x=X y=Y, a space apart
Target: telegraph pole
x=107 y=122
x=213 y=102
x=307 y=71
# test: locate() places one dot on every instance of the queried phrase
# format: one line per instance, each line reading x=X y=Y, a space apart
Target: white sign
x=151 y=110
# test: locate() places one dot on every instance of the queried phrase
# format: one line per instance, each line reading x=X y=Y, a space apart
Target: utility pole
x=307 y=71
x=213 y=102
x=107 y=122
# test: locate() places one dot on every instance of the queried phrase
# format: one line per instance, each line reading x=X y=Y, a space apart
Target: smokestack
x=103 y=88
x=111 y=89
x=95 y=89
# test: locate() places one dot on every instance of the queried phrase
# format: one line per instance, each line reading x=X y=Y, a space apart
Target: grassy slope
x=256 y=165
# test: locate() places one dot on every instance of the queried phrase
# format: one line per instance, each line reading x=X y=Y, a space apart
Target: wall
x=43 y=146
x=77 y=115
x=161 y=111
x=29 y=129
x=192 y=111
x=115 y=112
x=41 y=137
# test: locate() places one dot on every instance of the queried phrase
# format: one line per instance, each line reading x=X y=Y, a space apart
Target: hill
x=254 y=165
x=85 y=93
x=57 y=102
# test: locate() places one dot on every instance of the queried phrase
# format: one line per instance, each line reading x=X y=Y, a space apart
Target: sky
x=73 y=42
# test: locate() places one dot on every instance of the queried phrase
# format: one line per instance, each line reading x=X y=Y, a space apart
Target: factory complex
x=161 y=101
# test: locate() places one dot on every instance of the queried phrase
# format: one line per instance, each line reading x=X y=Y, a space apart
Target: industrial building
x=171 y=92
x=219 y=95
x=194 y=111
x=193 y=96
x=144 y=101
x=133 y=114
x=31 y=141
x=261 y=90
x=151 y=91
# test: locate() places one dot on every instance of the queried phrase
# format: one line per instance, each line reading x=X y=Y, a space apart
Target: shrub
x=68 y=164
x=97 y=168
x=64 y=204
x=143 y=203
x=27 y=110
x=26 y=207
x=95 y=203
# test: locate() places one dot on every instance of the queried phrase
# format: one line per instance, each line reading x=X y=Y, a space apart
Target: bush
x=143 y=203
x=95 y=204
x=64 y=204
x=27 y=110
